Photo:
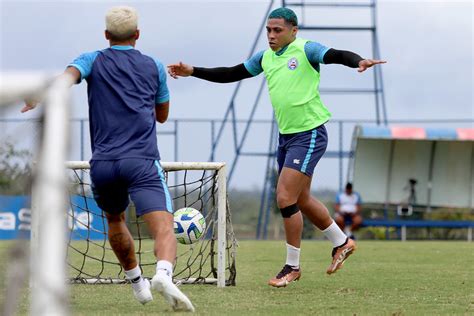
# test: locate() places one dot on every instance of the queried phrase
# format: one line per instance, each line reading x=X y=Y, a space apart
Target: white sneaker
x=176 y=298
x=143 y=294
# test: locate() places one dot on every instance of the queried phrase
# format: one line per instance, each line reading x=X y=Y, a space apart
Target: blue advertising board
x=15 y=218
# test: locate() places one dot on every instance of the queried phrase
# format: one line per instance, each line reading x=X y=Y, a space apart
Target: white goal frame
x=221 y=169
x=49 y=294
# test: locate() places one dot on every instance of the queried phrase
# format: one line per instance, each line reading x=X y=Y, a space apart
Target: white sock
x=133 y=273
x=293 y=256
x=335 y=234
x=135 y=277
x=164 y=267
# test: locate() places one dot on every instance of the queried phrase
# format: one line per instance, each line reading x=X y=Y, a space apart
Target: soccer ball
x=189 y=225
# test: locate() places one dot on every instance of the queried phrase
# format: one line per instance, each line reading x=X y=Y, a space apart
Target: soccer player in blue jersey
x=127 y=92
x=292 y=69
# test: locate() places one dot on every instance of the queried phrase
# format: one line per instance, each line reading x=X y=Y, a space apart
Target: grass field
x=382 y=278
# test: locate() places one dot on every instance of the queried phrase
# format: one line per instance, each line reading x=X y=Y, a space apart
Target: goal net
x=198 y=185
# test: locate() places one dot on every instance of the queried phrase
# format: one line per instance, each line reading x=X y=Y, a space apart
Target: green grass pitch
x=381 y=278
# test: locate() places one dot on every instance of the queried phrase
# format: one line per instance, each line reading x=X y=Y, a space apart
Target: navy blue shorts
x=143 y=179
x=302 y=151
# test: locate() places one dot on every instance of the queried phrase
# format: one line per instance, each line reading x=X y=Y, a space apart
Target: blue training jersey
x=123 y=88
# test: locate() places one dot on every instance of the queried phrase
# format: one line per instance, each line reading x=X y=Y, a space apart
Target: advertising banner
x=15 y=218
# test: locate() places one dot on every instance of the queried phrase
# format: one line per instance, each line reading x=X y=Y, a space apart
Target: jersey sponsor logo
x=292 y=63
x=296 y=161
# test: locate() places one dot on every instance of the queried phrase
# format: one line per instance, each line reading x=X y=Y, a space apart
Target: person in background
x=348 y=207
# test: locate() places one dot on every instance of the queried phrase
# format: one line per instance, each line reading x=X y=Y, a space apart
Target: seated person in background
x=348 y=207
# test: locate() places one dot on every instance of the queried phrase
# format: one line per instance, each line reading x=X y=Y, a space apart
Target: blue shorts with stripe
x=302 y=151
x=113 y=181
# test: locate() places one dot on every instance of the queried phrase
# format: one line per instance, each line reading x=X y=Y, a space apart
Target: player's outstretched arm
x=219 y=74
x=180 y=70
x=70 y=72
x=349 y=59
x=367 y=63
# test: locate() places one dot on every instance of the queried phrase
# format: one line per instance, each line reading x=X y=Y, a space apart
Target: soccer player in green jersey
x=291 y=66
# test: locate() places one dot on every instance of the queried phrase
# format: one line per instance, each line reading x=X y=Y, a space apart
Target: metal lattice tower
x=267 y=202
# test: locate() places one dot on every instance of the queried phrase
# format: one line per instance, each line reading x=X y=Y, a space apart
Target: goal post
x=49 y=294
x=47 y=248
x=201 y=185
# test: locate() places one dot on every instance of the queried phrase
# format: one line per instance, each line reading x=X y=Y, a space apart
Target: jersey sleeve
x=84 y=63
x=163 y=94
x=254 y=64
x=338 y=198
x=315 y=52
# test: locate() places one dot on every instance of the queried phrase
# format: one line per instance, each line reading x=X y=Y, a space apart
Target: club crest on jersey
x=292 y=63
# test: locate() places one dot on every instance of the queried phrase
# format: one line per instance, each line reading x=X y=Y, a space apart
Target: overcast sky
x=428 y=46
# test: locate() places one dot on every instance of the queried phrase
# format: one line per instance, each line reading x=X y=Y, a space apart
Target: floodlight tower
x=302 y=7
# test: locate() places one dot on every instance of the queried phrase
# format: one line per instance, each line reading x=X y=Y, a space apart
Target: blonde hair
x=121 y=22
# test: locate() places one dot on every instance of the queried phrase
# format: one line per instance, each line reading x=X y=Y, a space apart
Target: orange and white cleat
x=287 y=275
x=340 y=254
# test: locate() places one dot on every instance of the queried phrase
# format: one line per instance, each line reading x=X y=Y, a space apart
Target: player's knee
x=284 y=199
x=288 y=211
x=115 y=218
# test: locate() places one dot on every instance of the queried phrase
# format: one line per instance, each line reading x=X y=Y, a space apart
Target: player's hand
x=180 y=70
x=367 y=63
x=30 y=104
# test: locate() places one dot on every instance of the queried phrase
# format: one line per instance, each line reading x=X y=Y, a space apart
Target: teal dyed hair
x=286 y=14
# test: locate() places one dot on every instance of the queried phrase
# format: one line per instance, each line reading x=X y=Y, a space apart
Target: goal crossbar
x=168 y=166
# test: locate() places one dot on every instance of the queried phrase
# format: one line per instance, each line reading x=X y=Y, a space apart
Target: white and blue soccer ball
x=189 y=225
